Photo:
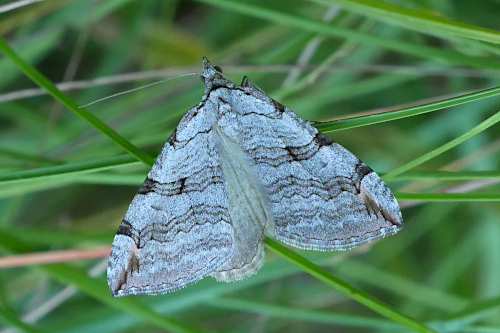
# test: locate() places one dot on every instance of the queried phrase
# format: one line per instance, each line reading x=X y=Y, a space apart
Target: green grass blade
x=336 y=31
x=447 y=175
x=341 y=124
x=343 y=319
x=21 y=156
x=476 y=309
x=448 y=196
x=43 y=82
x=63 y=238
x=98 y=290
x=109 y=178
x=67 y=171
x=19 y=189
x=81 y=172
x=415 y=292
x=97 y=165
x=11 y=319
x=477 y=129
x=339 y=285
x=408 y=18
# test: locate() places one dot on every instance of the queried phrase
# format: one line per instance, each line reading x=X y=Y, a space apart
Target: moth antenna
x=131 y=90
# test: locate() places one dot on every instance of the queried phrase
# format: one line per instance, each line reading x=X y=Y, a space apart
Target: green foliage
x=66 y=180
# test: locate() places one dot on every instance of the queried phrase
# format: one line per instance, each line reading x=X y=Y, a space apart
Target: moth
x=239 y=166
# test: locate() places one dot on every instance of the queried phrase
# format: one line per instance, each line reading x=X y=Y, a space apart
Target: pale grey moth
x=238 y=166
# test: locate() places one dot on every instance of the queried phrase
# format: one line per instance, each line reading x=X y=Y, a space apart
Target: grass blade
x=447 y=175
x=418 y=20
x=448 y=196
x=477 y=129
x=302 y=314
x=10 y=319
x=43 y=82
x=345 y=288
x=67 y=171
x=341 y=124
x=336 y=31
x=98 y=290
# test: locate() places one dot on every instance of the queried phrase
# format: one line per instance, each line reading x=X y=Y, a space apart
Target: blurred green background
x=324 y=60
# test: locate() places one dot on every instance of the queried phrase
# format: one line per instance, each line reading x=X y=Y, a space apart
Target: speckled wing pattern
x=240 y=165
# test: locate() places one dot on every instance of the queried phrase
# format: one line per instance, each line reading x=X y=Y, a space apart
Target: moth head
x=213 y=77
x=210 y=72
